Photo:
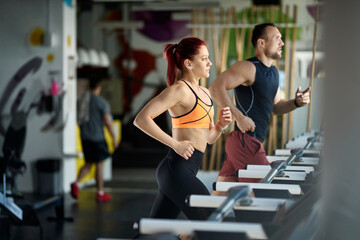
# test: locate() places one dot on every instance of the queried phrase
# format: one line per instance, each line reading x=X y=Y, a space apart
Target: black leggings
x=176 y=178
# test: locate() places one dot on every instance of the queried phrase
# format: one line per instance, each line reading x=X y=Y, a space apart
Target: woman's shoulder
x=179 y=86
x=176 y=91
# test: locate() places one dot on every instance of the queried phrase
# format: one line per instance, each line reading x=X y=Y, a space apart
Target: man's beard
x=274 y=56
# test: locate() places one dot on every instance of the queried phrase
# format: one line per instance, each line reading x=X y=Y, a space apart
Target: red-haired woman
x=191 y=109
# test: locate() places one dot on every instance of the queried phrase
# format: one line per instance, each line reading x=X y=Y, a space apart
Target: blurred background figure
x=94 y=112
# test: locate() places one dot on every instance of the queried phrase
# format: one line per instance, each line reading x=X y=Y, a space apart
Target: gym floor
x=133 y=192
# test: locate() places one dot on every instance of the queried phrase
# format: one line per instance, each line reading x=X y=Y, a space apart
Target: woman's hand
x=225 y=117
x=184 y=148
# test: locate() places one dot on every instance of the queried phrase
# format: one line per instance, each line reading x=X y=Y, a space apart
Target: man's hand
x=245 y=123
x=302 y=98
x=115 y=143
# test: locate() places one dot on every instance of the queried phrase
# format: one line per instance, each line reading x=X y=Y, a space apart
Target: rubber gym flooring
x=133 y=192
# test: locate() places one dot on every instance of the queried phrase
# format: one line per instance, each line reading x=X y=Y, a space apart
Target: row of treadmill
x=282 y=205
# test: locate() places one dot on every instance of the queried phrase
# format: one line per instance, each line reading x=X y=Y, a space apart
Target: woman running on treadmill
x=191 y=109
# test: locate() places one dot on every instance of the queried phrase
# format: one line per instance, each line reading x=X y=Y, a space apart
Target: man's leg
x=241 y=150
x=252 y=153
x=223 y=179
x=82 y=173
x=99 y=176
x=101 y=196
x=84 y=170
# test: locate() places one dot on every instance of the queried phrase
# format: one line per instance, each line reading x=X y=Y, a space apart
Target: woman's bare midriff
x=198 y=135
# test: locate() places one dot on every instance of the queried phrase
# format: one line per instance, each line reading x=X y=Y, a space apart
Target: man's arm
x=109 y=126
x=240 y=73
x=282 y=106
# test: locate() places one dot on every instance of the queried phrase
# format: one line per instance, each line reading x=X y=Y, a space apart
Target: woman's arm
x=225 y=119
x=159 y=104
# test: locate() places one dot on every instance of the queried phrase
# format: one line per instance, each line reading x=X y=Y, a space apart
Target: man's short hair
x=94 y=83
x=259 y=32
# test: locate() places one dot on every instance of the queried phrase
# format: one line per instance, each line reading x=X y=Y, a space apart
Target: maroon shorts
x=242 y=149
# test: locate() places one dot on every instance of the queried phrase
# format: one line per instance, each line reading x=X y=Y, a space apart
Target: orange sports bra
x=200 y=116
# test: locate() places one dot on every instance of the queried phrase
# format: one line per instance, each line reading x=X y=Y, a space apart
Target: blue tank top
x=256 y=101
